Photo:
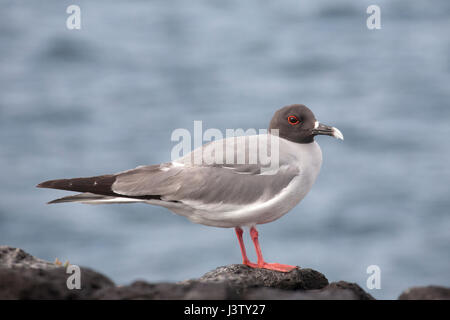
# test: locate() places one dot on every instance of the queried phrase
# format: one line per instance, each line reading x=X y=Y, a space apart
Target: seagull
x=223 y=192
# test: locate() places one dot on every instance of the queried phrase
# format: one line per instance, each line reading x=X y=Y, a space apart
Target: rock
x=17 y=258
x=140 y=290
x=227 y=282
x=241 y=282
x=22 y=283
x=223 y=291
x=243 y=277
x=26 y=277
x=330 y=292
x=426 y=293
x=357 y=292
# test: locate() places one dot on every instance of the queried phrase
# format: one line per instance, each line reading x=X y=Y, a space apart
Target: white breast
x=308 y=158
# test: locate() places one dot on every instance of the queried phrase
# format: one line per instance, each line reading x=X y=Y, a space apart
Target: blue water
x=106 y=98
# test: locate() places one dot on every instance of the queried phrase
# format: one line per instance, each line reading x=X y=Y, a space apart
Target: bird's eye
x=293 y=120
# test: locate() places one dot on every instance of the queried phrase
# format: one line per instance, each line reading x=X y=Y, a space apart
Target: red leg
x=261 y=262
x=245 y=260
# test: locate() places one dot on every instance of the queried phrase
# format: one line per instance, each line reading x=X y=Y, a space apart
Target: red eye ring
x=293 y=120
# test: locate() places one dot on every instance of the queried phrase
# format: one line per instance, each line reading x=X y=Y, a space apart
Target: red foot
x=261 y=264
x=271 y=266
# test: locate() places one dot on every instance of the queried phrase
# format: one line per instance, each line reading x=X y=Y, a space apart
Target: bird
x=223 y=192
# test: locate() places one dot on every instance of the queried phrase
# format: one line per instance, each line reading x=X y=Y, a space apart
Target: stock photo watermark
x=374 y=280
x=73 y=21
x=236 y=147
x=230 y=310
x=373 y=22
x=74 y=280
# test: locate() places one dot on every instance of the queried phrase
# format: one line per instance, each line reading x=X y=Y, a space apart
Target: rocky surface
x=23 y=276
x=13 y=258
x=426 y=293
x=238 y=281
x=243 y=277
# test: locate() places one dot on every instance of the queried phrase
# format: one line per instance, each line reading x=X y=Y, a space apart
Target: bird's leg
x=261 y=263
x=245 y=260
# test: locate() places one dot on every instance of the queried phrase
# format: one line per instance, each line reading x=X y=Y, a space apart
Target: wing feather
x=217 y=182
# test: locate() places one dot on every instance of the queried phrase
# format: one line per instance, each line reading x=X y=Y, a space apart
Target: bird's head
x=297 y=123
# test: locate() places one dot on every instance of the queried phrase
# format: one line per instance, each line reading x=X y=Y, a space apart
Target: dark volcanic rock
x=22 y=283
x=241 y=282
x=227 y=282
x=17 y=258
x=330 y=292
x=243 y=277
x=23 y=276
x=357 y=292
x=426 y=293
x=299 y=284
x=169 y=291
x=223 y=290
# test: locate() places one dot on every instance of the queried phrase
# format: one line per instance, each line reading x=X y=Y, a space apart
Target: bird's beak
x=320 y=128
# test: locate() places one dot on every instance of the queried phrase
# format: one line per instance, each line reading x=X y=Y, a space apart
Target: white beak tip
x=338 y=134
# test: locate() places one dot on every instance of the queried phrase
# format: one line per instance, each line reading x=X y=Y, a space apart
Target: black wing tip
x=55 y=201
x=99 y=184
x=48 y=184
x=42 y=185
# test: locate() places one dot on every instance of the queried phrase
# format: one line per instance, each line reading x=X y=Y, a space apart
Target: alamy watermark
x=374 y=20
x=74 y=280
x=374 y=280
x=73 y=21
x=236 y=147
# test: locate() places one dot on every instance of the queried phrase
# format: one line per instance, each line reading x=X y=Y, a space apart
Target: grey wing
x=208 y=183
x=201 y=183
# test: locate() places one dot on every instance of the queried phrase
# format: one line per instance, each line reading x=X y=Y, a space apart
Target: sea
x=107 y=97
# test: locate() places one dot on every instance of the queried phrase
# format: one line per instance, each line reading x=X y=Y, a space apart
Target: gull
x=230 y=186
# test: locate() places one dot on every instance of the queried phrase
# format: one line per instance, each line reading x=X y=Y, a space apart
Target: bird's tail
x=100 y=185
x=90 y=198
x=95 y=190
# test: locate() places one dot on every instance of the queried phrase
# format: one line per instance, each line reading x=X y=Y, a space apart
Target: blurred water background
x=106 y=98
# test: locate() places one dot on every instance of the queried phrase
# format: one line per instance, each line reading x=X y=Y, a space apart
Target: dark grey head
x=298 y=124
